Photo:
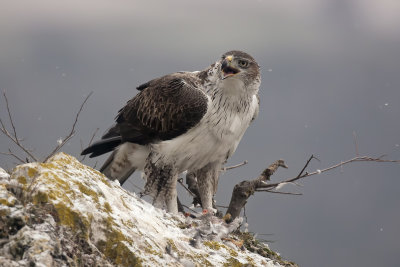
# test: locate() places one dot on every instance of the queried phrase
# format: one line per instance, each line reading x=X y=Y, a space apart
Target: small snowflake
x=319 y=171
x=59 y=141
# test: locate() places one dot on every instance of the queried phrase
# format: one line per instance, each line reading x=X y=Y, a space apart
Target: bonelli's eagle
x=184 y=121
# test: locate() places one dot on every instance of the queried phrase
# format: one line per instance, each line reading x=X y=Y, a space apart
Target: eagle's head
x=239 y=67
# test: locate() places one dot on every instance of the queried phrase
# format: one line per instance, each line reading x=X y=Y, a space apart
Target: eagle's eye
x=243 y=63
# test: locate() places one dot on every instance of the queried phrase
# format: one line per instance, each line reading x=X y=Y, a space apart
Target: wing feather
x=164 y=109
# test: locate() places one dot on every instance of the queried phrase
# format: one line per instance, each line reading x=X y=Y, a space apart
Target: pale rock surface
x=63 y=213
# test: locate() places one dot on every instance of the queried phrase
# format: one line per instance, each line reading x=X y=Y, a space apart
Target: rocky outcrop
x=63 y=213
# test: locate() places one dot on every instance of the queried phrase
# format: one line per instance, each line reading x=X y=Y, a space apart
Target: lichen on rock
x=65 y=213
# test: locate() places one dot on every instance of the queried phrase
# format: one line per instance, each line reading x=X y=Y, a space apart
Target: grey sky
x=329 y=68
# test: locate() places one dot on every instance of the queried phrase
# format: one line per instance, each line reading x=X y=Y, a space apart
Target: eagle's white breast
x=214 y=139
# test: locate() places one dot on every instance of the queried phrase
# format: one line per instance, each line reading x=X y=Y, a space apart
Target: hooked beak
x=227 y=68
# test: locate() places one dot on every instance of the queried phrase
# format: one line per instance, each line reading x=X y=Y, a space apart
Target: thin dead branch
x=12 y=154
x=13 y=136
x=71 y=133
x=90 y=142
x=355 y=159
x=235 y=166
x=279 y=192
x=192 y=210
x=180 y=181
x=243 y=190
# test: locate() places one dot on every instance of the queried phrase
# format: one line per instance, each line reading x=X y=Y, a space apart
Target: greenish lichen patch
x=6 y=198
x=107 y=207
x=40 y=198
x=200 y=259
x=128 y=223
x=72 y=219
x=88 y=192
x=32 y=173
x=149 y=249
x=250 y=261
x=232 y=262
x=116 y=248
x=122 y=229
x=171 y=243
x=212 y=244
x=124 y=203
x=253 y=245
x=21 y=180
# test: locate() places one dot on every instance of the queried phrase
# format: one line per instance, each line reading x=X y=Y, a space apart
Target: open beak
x=227 y=68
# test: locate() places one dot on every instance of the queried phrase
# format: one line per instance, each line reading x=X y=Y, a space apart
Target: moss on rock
x=100 y=224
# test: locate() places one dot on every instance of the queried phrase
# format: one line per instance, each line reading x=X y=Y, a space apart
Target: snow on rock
x=62 y=213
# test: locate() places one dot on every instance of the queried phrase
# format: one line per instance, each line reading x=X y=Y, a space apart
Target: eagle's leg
x=171 y=196
x=207 y=179
x=161 y=183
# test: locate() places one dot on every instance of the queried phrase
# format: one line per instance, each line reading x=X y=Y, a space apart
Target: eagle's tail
x=114 y=170
x=103 y=146
x=116 y=166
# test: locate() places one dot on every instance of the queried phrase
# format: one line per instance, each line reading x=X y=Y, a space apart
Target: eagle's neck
x=226 y=95
x=224 y=100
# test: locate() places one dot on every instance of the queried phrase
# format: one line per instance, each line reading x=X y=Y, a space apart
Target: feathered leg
x=207 y=179
x=161 y=183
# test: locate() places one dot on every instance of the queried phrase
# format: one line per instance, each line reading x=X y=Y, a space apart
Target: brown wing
x=164 y=109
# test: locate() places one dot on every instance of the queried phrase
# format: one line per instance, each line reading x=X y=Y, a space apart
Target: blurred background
x=330 y=68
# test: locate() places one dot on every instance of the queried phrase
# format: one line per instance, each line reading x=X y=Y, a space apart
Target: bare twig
x=305 y=166
x=10 y=153
x=9 y=117
x=355 y=159
x=81 y=143
x=90 y=142
x=13 y=136
x=235 y=166
x=180 y=180
x=244 y=213
x=71 y=133
x=245 y=189
x=192 y=210
x=278 y=192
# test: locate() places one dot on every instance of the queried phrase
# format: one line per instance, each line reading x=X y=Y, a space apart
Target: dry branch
x=12 y=154
x=355 y=159
x=71 y=133
x=13 y=136
x=90 y=142
x=235 y=166
x=243 y=190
